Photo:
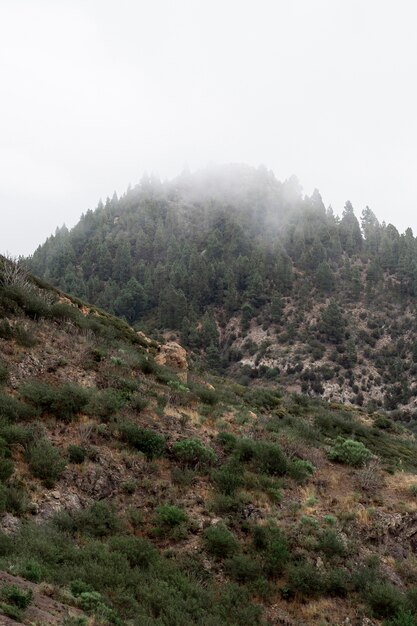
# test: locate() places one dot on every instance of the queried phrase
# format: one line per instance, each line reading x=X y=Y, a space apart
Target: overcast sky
x=95 y=93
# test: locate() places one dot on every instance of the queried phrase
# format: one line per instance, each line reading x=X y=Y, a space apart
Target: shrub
x=138 y=551
x=219 y=541
x=300 y=470
x=246 y=450
x=4 y=373
x=24 y=337
x=228 y=441
x=147 y=365
x=169 y=515
x=100 y=520
x=271 y=459
x=350 y=452
x=6 y=469
x=336 y=582
x=151 y=443
x=76 y=454
x=207 y=396
x=305 y=579
x=242 y=568
x=6 y=331
x=31 y=570
x=138 y=402
x=182 y=476
x=384 y=599
x=15 y=433
x=13 y=594
x=330 y=543
x=9 y=610
x=14 y=410
x=228 y=478
x=193 y=453
x=13 y=499
x=63 y=402
x=106 y=403
x=45 y=462
x=226 y=505
x=403 y=618
x=276 y=557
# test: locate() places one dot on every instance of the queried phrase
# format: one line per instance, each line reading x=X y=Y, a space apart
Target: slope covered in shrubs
x=141 y=497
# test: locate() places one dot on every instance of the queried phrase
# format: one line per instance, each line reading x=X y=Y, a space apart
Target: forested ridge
x=257 y=277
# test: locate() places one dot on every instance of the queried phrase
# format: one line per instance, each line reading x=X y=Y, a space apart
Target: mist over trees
x=194 y=253
x=224 y=237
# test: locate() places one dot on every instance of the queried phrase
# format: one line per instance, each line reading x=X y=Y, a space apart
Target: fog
x=95 y=93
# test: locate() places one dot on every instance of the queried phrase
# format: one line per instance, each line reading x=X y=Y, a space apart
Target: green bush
x=4 y=373
x=147 y=365
x=24 y=337
x=106 y=403
x=6 y=469
x=227 y=505
x=350 y=452
x=300 y=470
x=228 y=441
x=305 y=579
x=14 y=410
x=15 y=433
x=168 y=515
x=12 y=594
x=276 y=556
x=219 y=541
x=31 y=570
x=45 y=462
x=12 y=611
x=246 y=450
x=151 y=443
x=384 y=599
x=271 y=459
x=138 y=402
x=63 y=402
x=242 y=568
x=12 y=499
x=6 y=330
x=330 y=543
x=76 y=454
x=403 y=618
x=207 y=396
x=138 y=551
x=337 y=582
x=100 y=520
x=192 y=453
x=228 y=479
x=183 y=477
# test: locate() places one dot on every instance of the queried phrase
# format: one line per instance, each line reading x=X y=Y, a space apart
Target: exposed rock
x=56 y=501
x=43 y=609
x=172 y=355
x=251 y=512
x=9 y=524
x=144 y=337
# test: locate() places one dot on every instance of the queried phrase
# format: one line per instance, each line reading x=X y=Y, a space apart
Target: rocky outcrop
x=173 y=355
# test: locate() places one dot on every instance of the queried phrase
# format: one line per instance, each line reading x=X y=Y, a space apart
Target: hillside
x=255 y=279
x=135 y=489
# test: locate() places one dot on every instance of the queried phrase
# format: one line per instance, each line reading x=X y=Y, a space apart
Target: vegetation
x=212 y=506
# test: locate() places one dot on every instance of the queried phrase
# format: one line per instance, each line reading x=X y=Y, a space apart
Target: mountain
x=255 y=279
x=136 y=488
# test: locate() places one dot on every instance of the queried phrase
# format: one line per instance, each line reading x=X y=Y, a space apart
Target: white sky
x=95 y=92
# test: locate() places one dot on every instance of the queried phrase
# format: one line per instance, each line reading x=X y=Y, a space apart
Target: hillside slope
x=139 y=494
x=257 y=279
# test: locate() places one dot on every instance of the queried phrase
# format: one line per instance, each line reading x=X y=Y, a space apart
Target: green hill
x=256 y=279
x=136 y=489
